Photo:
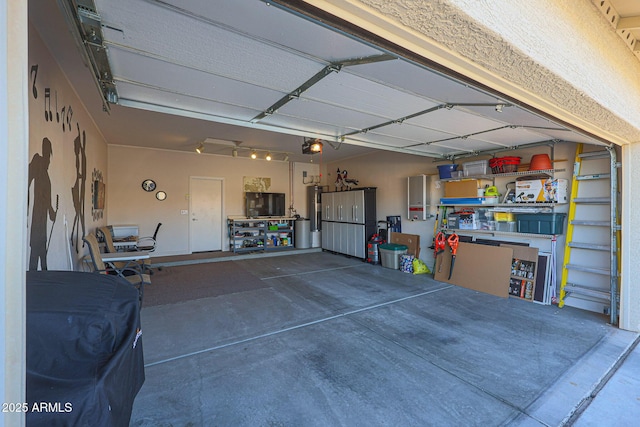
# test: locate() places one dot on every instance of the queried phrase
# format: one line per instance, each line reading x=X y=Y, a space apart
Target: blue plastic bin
x=445 y=170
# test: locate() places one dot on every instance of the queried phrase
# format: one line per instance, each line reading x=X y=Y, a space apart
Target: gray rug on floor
x=190 y=282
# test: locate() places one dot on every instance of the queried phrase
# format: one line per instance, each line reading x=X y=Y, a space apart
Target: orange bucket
x=540 y=162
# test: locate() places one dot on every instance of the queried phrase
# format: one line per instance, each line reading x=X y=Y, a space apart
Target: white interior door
x=206 y=214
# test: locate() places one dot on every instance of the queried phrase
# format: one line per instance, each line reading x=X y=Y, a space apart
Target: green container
x=541 y=223
x=393 y=247
x=390 y=254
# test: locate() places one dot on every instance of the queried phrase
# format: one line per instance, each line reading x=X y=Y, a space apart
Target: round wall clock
x=161 y=195
x=148 y=185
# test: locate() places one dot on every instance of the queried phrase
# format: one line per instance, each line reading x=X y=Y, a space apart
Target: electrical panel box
x=418 y=197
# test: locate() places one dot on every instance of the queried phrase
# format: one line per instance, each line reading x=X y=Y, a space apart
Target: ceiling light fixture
x=312 y=146
x=258 y=153
x=200 y=148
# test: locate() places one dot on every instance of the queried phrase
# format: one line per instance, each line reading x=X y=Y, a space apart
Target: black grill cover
x=84 y=351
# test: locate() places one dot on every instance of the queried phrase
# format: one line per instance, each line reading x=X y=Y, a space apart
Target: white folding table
x=130 y=260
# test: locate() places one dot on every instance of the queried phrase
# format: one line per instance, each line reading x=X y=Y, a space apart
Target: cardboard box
x=453 y=221
x=468 y=221
x=542 y=190
x=464 y=188
x=411 y=241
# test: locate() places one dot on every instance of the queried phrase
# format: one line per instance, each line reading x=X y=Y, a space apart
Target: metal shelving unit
x=260 y=234
x=520 y=207
x=501 y=233
x=492 y=176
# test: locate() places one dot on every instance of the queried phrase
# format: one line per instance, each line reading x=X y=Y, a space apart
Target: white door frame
x=222 y=209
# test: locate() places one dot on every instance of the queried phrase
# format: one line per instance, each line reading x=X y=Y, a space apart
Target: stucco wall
x=630 y=291
x=561 y=57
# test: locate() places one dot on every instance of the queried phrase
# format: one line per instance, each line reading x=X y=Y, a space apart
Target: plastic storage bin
x=504 y=216
x=479 y=167
x=461 y=200
x=445 y=170
x=506 y=164
x=390 y=254
x=510 y=226
x=547 y=223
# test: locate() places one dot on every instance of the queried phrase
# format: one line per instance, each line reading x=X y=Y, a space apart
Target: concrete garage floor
x=317 y=339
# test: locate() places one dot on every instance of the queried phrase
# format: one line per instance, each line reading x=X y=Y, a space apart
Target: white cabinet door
x=343 y=206
x=343 y=229
x=328 y=229
x=341 y=237
x=349 y=206
x=346 y=206
x=354 y=240
x=328 y=207
x=357 y=207
x=358 y=240
x=339 y=201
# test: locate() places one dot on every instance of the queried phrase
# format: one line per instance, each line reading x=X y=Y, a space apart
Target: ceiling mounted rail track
x=260 y=68
x=86 y=28
x=331 y=68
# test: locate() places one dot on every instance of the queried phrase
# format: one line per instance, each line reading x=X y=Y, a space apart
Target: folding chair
x=104 y=234
x=137 y=278
x=149 y=243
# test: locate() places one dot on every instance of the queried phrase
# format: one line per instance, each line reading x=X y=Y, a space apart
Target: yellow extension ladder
x=590 y=267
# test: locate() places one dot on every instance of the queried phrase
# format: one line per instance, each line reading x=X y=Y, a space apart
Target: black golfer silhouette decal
x=42 y=206
x=78 y=189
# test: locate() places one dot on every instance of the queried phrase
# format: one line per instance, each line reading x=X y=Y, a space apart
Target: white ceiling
x=189 y=70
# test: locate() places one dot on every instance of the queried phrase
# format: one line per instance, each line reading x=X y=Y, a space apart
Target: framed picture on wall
x=98 y=194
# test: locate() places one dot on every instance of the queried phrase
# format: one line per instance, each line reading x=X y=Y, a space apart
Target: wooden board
x=412 y=241
x=479 y=267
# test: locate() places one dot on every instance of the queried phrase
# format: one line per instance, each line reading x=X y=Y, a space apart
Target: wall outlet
x=304 y=174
